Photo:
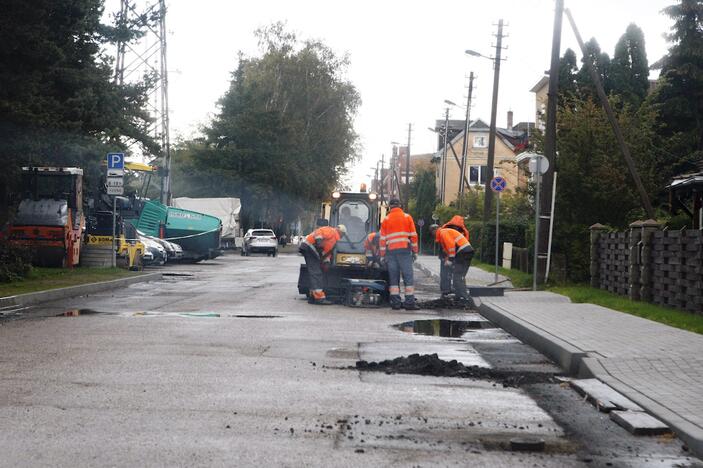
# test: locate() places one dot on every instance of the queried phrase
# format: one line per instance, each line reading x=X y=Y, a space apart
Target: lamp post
x=488 y=193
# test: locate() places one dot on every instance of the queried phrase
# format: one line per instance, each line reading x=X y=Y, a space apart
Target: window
x=355 y=217
x=480 y=141
x=477 y=175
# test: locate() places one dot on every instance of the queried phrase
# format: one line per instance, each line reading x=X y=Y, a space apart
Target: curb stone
x=74 y=291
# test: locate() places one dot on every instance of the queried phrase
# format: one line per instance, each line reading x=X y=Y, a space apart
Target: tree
x=58 y=102
x=629 y=70
x=423 y=197
x=678 y=96
x=284 y=133
x=601 y=61
x=567 y=74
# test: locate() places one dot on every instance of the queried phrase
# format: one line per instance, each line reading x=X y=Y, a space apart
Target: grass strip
x=43 y=279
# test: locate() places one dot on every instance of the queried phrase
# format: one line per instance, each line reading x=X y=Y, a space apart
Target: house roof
x=544 y=81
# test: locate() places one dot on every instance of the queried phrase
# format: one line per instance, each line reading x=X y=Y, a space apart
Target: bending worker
x=399 y=250
x=456 y=254
x=317 y=251
x=373 y=249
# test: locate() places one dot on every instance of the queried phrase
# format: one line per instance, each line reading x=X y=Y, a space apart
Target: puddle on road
x=443 y=327
x=81 y=312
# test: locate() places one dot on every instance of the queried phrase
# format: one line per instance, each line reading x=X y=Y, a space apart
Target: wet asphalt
x=224 y=364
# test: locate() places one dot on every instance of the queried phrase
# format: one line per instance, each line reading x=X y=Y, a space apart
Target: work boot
x=411 y=306
x=323 y=302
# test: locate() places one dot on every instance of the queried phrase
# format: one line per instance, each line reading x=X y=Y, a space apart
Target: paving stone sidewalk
x=657 y=366
x=474 y=277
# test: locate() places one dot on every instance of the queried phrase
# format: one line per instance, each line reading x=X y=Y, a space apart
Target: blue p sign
x=115 y=161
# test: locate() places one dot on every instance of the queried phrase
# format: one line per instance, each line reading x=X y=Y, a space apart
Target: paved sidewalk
x=657 y=366
x=475 y=276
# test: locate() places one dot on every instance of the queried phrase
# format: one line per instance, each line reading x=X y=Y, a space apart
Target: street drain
x=443 y=327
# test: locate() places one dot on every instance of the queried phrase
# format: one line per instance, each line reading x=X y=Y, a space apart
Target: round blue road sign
x=498 y=184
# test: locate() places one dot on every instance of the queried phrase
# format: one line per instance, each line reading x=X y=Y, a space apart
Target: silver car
x=260 y=240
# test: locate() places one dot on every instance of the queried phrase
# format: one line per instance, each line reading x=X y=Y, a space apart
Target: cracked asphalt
x=226 y=365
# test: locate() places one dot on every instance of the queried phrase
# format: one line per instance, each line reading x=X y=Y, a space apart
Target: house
x=509 y=141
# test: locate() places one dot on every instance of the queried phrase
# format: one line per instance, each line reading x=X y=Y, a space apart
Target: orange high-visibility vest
x=451 y=241
x=322 y=240
x=458 y=221
x=371 y=244
x=398 y=232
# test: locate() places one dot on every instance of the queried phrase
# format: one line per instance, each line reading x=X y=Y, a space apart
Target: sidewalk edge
x=566 y=355
x=74 y=291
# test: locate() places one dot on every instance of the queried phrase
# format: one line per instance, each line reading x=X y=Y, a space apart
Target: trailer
x=225 y=209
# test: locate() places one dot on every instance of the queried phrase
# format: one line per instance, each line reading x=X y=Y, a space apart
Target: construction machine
x=349 y=278
x=49 y=220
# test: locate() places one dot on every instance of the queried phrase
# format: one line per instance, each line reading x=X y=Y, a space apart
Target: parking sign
x=115 y=164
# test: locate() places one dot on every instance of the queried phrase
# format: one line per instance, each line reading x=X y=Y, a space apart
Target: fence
x=648 y=264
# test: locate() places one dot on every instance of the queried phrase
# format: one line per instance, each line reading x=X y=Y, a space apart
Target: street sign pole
x=497 y=232
x=538 y=175
x=498 y=184
x=114 y=230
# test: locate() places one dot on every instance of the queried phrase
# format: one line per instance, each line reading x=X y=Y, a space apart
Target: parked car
x=260 y=240
x=158 y=255
x=173 y=250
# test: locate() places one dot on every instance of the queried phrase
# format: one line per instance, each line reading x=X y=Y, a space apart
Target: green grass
x=583 y=293
x=41 y=279
x=518 y=278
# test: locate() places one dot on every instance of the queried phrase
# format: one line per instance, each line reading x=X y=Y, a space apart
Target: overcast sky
x=407 y=57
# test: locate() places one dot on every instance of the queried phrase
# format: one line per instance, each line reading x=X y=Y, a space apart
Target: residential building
x=509 y=141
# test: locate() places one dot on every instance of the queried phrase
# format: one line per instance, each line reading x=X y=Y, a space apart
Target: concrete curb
x=563 y=353
x=426 y=271
x=74 y=291
x=686 y=431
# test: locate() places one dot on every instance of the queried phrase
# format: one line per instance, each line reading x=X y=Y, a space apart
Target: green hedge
x=15 y=262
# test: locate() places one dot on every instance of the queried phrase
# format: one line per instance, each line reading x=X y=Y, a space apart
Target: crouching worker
x=317 y=251
x=456 y=254
x=373 y=250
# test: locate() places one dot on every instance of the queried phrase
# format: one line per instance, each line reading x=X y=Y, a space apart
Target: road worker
x=457 y=222
x=373 y=249
x=398 y=249
x=456 y=253
x=317 y=251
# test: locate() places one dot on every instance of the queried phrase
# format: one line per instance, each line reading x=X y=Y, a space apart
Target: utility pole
x=488 y=193
x=543 y=200
x=383 y=179
x=407 y=168
x=444 y=157
x=465 y=146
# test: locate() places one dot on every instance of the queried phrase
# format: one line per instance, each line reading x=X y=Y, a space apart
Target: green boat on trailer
x=197 y=233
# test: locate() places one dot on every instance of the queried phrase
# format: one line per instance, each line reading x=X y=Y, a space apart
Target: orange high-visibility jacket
x=322 y=240
x=451 y=241
x=372 y=244
x=398 y=232
x=458 y=221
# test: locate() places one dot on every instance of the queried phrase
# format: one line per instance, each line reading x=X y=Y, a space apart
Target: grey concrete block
x=639 y=423
x=602 y=396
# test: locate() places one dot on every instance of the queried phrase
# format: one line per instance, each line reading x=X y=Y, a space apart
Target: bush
x=510 y=231
x=15 y=262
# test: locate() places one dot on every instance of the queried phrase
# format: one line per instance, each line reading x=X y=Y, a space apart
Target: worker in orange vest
x=317 y=251
x=373 y=249
x=457 y=222
x=455 y=256
x=398 y=248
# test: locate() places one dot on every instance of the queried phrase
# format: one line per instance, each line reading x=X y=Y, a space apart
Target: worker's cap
x=342 y=228
x=394 y=202
x=434 y=227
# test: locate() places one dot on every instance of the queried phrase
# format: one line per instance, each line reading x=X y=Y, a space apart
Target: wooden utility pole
x=465 y=146
x=550 y=147
x=407 y=168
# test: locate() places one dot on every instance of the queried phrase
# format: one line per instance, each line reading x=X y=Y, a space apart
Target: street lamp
x=488 y=193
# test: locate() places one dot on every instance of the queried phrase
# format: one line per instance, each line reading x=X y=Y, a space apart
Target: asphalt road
x=226 y=365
